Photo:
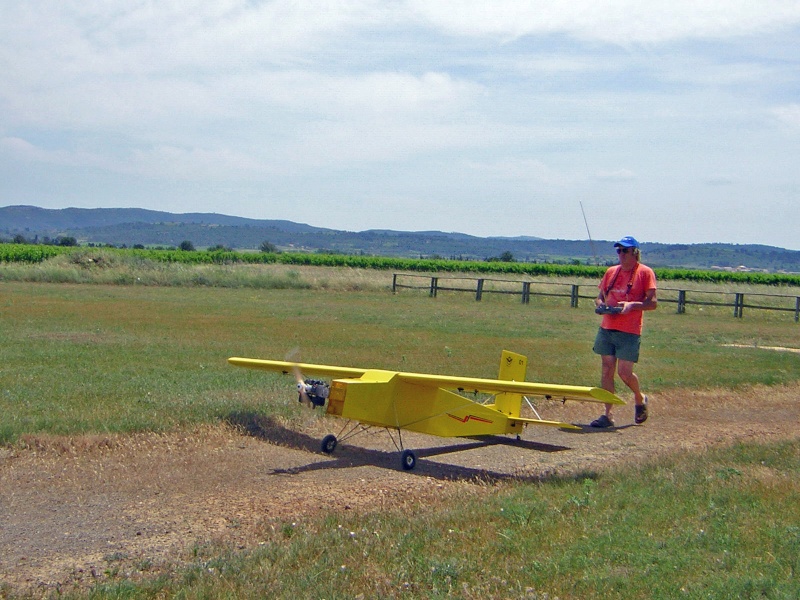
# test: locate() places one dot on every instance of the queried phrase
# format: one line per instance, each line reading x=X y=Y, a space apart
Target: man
x=626 y=291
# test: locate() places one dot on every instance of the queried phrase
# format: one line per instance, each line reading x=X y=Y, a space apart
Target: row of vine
x=30 y=253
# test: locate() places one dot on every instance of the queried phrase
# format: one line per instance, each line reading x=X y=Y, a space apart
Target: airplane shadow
x=349 y=456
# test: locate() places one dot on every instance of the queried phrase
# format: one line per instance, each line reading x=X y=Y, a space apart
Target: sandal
x=641 y=412
x=602 y=422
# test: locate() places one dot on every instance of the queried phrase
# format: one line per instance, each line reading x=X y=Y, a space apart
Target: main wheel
x=408 y=460
x=328 y=444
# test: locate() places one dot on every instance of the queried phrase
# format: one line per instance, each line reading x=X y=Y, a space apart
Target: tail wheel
x=328 y=444
x=408 y=460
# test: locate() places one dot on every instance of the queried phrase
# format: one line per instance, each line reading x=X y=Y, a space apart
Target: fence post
x=797 y=309
x=434 y=286
x=738 y=305
x=526 y=292
x=479 y=291
x=681 y=302
x=574 y=297
x=394 y=283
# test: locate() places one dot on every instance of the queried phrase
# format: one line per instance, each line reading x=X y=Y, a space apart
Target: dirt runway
x=71 y=508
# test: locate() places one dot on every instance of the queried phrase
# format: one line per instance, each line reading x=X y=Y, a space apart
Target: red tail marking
x=468 y=418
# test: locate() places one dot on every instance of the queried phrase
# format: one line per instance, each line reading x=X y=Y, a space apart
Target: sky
x=674 y=121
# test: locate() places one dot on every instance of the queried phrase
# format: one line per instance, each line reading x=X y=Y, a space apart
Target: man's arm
x=649 y=303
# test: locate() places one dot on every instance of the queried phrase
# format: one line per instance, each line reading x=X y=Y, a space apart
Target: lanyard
x=614 y=280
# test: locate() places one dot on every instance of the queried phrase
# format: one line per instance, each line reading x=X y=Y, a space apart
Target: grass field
x=94 y=358
x=721 y=525
x=87 y=358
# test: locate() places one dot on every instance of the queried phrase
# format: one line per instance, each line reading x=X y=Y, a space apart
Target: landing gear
x=408 y=460
x=328 y=444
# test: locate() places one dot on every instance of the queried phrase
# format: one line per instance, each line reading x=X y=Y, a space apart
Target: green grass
x=93 y=358
x=720 y=525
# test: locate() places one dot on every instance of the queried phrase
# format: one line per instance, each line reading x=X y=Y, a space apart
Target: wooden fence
x=527 y=289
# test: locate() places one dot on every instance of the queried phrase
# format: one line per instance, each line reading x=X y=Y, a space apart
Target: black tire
x=408 y=460
x=328 y=444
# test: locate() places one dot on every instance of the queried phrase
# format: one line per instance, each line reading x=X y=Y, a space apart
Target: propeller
x=312 y=392
x=293 y=356
x=302 y=386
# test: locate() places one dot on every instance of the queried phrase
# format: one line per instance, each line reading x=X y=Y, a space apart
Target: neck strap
x=616 y=274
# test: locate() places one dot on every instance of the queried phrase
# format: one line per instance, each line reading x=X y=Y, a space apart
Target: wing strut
x=533 y=408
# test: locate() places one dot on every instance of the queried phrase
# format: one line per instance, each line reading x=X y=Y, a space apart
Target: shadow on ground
x=268 y=429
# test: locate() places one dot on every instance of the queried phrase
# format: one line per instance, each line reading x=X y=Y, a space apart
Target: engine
x=317 y=391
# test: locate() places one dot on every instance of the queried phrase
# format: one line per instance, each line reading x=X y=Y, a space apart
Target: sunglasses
x=624 y=250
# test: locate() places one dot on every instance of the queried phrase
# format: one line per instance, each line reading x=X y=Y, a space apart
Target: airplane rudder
x=513 y=366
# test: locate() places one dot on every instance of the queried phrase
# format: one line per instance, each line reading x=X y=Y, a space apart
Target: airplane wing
x=288 y=367
x=491 y=386
x=468 y=384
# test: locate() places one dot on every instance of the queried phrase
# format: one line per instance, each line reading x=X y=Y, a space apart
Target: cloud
x=18 y=149
x=21 y=149
x=378 y=92
x=169 y=162
x=719 y=180
x=519 y=169
x=615 y=175
x=611 y=21
x=789 y=114
x=417 y=101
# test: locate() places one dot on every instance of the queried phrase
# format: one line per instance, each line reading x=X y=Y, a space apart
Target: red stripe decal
x=469 y=418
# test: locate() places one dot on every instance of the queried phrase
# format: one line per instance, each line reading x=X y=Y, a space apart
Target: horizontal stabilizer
x=558 y=424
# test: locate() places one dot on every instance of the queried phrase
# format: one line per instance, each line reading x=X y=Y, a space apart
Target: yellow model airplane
x=432 y=404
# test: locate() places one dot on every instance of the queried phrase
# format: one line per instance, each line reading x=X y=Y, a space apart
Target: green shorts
x=610 y=342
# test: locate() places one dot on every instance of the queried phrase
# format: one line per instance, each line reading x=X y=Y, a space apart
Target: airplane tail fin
x=513 y=367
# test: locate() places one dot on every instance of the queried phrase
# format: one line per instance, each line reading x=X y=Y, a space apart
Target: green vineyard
x=36 y=253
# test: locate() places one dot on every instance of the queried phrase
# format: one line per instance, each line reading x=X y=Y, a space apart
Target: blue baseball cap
x=627 y=242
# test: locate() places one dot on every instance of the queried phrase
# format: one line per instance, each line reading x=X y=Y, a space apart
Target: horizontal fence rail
x=528 y=289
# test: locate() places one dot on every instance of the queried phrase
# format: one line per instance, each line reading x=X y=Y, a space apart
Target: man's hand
x=605 y=309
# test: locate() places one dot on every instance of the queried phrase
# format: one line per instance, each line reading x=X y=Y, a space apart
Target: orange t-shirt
x=626 y=286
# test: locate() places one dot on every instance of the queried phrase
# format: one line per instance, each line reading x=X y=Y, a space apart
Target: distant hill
x=18 y=219
x=131 y=226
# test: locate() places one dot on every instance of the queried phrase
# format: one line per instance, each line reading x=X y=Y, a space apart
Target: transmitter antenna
x=591 y=243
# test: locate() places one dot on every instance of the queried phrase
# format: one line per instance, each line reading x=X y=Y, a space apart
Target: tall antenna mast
x=591 y=243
